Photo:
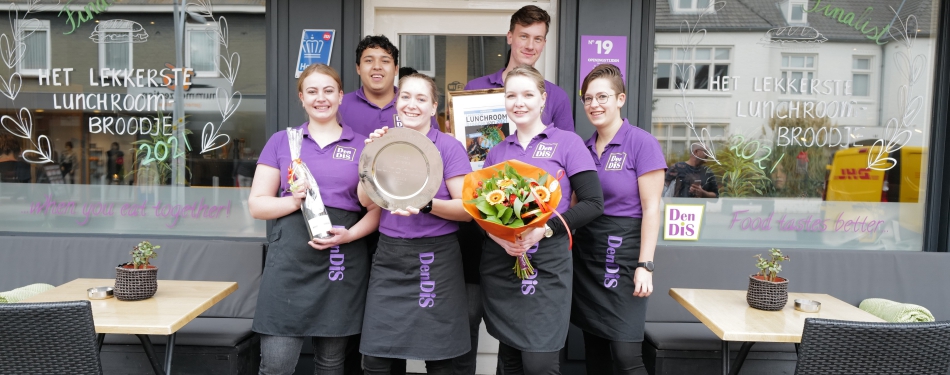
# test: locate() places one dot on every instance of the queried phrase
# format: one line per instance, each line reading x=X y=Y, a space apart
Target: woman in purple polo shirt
x=530 y=317
x=312 y=287
x=416 y=306
x=613 y=254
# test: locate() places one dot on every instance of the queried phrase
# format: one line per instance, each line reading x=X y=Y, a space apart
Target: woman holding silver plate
x=312 y=287
x=416 y=304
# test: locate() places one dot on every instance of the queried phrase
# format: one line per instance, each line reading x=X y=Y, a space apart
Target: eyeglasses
x=601 y=98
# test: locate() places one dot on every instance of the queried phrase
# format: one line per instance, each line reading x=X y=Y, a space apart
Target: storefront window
x=795 y=123
x=121 y=118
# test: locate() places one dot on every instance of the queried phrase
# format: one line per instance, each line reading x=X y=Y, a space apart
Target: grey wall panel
x=849 y=275
x=57 y=260
x=567 y=55
x=352 y=28
x=608 y=17
x=287 y=20
x=307 y=15
x=937 y=215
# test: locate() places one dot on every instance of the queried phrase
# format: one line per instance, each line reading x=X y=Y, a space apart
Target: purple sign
x=598 y=49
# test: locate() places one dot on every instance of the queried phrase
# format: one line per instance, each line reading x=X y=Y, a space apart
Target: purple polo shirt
x=557 y=109
x=335 y=167
x=552 y=150
x=632 y=153
x=454 y=163
x=365 y=116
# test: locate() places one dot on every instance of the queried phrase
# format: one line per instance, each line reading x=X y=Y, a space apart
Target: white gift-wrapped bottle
x=314 y=212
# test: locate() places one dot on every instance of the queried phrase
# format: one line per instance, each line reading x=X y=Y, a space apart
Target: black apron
x=416 y=306
x=603 y=302
x=310 y=292
x=530 y=315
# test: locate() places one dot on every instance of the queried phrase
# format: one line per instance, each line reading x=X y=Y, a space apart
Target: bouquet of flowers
x=506 y=200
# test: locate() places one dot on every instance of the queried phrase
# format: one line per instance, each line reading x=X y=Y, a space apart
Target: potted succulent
x=137 y=279
x=767 y=291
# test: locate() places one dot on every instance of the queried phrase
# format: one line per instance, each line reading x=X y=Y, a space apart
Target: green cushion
x=896 y=312
x=23 y=293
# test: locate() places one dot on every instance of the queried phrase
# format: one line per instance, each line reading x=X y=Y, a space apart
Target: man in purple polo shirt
x=373 y=105
x=527 y=36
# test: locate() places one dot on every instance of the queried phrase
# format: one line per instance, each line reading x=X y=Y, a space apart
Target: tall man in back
x=527 y=35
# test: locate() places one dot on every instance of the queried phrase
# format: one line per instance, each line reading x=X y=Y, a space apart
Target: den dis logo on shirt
x=681 y=222
x=615 y=161
x=344 y=153
x=545 y=150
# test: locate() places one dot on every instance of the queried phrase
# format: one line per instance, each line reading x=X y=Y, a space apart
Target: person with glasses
x=613 y=254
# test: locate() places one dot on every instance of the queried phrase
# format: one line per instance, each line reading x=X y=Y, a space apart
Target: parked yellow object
x=850 y=179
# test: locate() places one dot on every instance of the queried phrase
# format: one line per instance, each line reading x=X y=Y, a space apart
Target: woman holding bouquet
x=613 y=254
x=312 y=287
x=530 y=317
x=416 y=306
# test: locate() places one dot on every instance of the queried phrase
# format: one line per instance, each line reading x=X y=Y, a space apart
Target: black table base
x=150 y=352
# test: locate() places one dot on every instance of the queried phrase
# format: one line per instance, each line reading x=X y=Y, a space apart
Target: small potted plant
x=767 y=291
x=138 y=279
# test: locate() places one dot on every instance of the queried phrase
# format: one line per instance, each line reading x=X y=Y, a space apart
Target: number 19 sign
x=599 y=49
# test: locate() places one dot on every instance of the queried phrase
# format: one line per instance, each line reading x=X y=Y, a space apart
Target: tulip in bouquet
x=506 y=200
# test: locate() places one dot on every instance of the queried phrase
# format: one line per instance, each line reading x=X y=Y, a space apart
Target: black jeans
x=279 y=354
x=604 y=356
x=516 y=362
x=382 y=366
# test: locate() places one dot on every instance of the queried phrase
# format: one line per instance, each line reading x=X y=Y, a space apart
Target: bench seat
x=690 y=348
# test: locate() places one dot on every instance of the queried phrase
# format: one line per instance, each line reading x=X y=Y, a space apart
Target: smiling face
x=608 y=113
x=527 y=43
x=321 y=97
x=377 y=70
x=415 y=104
x=523 y=100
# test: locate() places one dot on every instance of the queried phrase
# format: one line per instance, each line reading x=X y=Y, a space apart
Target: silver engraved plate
x=401 y=169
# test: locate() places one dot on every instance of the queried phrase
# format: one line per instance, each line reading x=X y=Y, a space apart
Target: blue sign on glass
x=315 y=48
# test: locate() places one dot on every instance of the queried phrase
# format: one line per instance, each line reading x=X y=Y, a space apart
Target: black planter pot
x=135 y=284
x=767 y=295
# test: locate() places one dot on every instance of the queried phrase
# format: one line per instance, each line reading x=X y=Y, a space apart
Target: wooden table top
x=729 y=316
x=176 y=303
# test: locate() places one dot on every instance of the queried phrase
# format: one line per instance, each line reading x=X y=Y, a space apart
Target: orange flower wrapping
x=473 y=181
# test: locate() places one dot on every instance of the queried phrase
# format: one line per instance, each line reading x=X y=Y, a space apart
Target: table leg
x=740 y=358
x=150 y=353
x=169 y=348
x=99 y=339
x=725 y=357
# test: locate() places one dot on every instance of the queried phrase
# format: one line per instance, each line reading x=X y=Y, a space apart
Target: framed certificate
x=478 y=120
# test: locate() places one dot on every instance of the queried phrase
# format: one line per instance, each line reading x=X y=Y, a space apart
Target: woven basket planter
x=767 y=295
x=135 y=284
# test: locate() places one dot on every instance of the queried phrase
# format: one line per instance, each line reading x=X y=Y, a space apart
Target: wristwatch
x=427 y=208
x=548 y=232
x=648 y=265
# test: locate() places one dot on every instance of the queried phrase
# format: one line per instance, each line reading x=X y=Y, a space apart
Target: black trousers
x=516 y=362
x=604 y=356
